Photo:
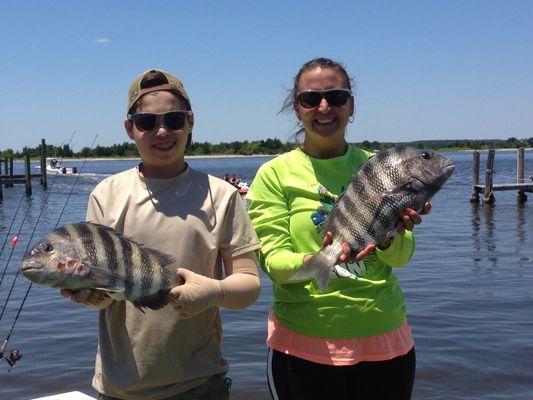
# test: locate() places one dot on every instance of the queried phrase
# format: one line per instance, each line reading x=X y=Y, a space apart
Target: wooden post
x=6 y=172
x=488 y=196
x=10 y=178
x=475 y=177
x=520 y=195
x=27 y=173
x=44 y=182
x=1 y=193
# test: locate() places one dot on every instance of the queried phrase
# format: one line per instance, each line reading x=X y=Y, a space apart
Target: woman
x=351 y=341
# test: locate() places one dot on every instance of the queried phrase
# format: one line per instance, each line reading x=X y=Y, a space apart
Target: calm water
x=468 y=288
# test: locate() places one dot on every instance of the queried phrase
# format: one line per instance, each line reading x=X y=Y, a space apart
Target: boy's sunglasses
x=334 y=97
x=173 y=120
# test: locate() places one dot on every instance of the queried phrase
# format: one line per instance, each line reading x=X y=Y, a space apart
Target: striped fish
x=91 y=256
x=369 y=209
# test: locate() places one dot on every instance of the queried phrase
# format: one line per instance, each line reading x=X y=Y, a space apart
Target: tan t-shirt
x=198 y=219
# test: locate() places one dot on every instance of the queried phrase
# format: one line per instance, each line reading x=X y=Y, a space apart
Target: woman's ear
x=297 y=112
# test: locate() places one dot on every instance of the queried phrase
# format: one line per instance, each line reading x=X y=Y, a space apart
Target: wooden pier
x=8 y=179
x=521 y=186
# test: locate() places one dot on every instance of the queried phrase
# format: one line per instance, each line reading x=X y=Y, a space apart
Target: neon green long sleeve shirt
x=286 y=200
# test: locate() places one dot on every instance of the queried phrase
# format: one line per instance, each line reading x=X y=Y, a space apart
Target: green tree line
x=258 y=147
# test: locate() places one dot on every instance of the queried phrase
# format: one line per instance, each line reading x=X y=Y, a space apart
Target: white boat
x=67 y=396
x=54 y=165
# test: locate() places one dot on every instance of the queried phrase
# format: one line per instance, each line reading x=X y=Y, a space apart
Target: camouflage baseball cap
x=173 y=84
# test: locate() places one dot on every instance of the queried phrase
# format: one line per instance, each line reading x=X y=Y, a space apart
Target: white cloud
x=102 y=41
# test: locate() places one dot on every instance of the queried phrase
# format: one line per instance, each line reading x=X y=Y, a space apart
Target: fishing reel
x=13 y=357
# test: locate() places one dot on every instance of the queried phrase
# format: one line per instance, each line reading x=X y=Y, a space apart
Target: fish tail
x=318 y=267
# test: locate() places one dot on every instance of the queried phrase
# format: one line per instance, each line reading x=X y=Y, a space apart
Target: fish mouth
x=31 y=266
x=33 y=270
x=448 y=169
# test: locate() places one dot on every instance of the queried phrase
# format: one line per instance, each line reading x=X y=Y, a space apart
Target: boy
x=172 y=353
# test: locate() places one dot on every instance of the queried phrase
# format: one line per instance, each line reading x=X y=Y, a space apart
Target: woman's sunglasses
x=334 y=97
x=173 y=120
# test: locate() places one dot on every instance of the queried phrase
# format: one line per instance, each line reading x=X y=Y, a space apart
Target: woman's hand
x=346 y=256
x=409 y=218
x=89 y=297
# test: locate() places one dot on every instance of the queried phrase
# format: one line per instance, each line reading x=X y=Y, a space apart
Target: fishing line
x=15 y=354
x=9 y=233
x=15 y=238
x=27 y=246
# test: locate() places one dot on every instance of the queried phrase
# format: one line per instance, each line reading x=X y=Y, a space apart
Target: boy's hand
x=196 y=294
x=89 y=297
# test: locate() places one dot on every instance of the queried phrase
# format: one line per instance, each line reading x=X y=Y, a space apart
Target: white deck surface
x=67 y=396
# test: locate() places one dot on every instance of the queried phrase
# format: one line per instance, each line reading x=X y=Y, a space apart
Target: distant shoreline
x=253 y=155
x=260 y=155
x=186 y=157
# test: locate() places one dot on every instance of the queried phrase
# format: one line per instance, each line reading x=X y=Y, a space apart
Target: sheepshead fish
x=91 y=256
x=369 y=209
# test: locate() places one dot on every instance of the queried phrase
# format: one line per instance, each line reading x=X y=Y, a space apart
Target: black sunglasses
x=173 y=120
x=334 y=97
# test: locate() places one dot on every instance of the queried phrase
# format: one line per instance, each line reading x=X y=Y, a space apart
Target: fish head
x=54 y=261
x=427 y=170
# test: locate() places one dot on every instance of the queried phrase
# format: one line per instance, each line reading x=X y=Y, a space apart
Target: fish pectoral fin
x=115 y=293
x=318 y=268
x=107 y=280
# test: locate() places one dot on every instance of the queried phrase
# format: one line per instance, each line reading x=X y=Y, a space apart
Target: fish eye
x=426 y=155
x=47 y=247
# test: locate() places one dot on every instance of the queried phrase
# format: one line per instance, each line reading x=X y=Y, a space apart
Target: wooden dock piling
x=27 y=173
x=488 y=197
x=475 y=177
x=488 y=188
x=8 y=179
x=8 y=172
x=520 y=174
x=44 y=182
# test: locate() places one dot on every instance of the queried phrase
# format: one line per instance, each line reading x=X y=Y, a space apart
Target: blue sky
x=423 y=69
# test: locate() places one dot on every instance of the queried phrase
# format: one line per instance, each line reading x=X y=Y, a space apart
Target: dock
x=488 y=189
x=8 y=179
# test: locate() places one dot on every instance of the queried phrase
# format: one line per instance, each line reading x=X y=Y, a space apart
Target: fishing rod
x=15 y=354
x=14 y=240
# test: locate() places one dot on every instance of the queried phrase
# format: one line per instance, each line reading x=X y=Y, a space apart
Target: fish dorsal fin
x=163 y=258
x=113 y=231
